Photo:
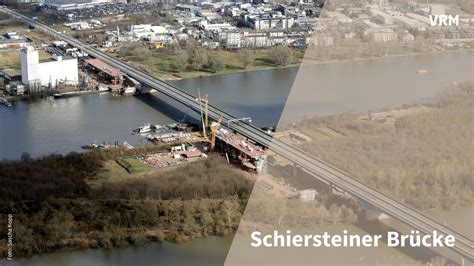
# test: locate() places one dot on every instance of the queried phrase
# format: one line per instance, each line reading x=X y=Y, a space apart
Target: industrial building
x=11 y=81
x=11 y=40
x=36 y=74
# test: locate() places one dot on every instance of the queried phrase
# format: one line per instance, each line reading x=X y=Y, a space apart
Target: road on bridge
x=307 y=162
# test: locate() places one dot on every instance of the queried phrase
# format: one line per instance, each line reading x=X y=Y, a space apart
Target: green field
x=320 y=133
x=11 y=58
x=132 y=165
x=161 y=62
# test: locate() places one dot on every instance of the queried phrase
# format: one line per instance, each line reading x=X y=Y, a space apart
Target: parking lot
x=101 y=10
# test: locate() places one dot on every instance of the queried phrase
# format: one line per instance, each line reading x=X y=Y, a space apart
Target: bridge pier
x=295 y=169
x=372 y=213
x=261 y=166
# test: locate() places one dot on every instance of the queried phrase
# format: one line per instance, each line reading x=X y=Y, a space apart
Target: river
x=209 y=251
x=59 y=126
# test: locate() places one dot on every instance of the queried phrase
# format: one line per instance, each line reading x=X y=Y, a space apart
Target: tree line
x=54 y=207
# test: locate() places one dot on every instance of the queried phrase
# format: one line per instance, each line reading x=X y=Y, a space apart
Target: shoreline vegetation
x=90 y=204
x=420 y=155
x=179 y=62
x=259 y=61
x=204 y=198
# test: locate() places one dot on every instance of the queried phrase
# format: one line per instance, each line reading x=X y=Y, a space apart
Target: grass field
x=11 y=58
x=132 y=165
x=162 y=62
x=319 y=133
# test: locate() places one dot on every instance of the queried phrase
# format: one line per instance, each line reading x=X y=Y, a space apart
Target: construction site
x=185 y=143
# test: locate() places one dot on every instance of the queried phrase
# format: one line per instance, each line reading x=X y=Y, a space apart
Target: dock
x=73 y=93
x=5 y=102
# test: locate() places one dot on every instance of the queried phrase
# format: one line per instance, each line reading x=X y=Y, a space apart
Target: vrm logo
x=444 y=20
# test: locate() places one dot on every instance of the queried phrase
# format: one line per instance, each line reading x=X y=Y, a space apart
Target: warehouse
x=50 y=73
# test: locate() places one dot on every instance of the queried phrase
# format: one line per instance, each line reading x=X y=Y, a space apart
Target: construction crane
x=214 y=128
x=203 y=105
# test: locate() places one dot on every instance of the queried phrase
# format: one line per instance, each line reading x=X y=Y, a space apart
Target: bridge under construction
x=306 y=162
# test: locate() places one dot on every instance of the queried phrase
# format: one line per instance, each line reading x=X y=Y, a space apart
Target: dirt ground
x=389 y=117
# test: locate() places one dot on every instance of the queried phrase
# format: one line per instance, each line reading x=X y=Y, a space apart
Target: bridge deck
x=309 y=163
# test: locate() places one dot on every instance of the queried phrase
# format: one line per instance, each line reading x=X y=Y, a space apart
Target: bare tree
x=216 y=64
x=181 y=60
x=201 y=58
x=245 y=57
x=280 y=55
x=142 y=53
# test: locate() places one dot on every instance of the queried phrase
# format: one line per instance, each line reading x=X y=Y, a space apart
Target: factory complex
x=36 y=74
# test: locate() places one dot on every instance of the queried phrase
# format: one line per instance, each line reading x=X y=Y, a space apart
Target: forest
x=211 y=178
x=54 y=208
x=423 y=158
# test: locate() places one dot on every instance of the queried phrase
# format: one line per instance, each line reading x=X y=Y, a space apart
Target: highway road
x=307 y=162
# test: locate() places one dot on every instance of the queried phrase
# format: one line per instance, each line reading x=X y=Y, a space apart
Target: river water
x=209 y=251
x=59 y=126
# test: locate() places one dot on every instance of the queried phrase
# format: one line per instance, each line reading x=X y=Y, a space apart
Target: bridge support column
x=295 y=169
x=261 y=166
x=372 y=213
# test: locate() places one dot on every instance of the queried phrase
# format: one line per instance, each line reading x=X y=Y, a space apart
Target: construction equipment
x=203 y=106
x=214 y=128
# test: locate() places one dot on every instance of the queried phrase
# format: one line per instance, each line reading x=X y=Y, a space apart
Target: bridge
x=307 y=162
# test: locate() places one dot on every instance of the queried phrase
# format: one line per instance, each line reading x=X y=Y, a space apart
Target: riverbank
x=72 y=224
x=407 y=152
x=233 y=66
x=62 y=93
x=310 y=62
x=163 y=63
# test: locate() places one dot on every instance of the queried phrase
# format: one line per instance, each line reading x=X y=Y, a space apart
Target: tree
x=25 y=157
x=201 y=58
x=245 y=57
x=191 y=47
x=181 y=60
x=228 y=209
x=216 y=64
x=142 y=53
x=280 y=55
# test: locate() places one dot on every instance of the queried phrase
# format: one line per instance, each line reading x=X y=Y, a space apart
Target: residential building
x=268 y=21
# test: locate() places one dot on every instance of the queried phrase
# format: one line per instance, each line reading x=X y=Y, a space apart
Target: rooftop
x=240 y=143
x=11 y=72
x=104 y=67
x=12 y=41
